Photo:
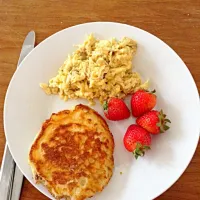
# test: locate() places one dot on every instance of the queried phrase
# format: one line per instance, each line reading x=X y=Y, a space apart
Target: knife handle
x=7 y=174
x=17 y=184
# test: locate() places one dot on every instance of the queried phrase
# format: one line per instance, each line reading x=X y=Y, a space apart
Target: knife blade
x=11 y=178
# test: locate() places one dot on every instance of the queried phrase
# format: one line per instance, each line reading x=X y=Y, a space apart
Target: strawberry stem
x=153 y=91
x=105 y=105
x=162 y=124
x=140 y=150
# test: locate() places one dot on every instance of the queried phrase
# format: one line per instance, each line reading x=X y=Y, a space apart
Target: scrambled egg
x=97 y=69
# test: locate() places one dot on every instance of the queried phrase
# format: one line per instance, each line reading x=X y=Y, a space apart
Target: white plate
x=27 y=106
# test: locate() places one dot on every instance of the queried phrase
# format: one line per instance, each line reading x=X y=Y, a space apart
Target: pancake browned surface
x=73 y=154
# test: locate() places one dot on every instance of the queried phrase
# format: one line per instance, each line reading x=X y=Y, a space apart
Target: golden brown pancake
x=73 y=154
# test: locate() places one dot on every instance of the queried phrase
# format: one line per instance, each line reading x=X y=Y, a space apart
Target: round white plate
x=27 y=106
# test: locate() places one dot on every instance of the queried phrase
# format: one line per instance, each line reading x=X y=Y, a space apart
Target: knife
x=11 y=178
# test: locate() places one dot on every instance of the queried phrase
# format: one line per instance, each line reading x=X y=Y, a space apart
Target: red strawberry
x=137 y=140
x=142 y=101
x=154 y=122
x=115 y=109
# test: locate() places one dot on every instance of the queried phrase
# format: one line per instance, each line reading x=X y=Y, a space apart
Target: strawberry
x=142 y=101
x=115 y=109
x=137 y=140
x=154 y=122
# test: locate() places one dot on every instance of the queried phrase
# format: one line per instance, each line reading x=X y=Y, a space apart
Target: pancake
x=73 y=154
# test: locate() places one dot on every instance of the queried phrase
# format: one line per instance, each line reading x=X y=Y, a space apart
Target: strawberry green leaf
x=158 y=124
x=140 y=150
x=166 y=127
x=105 y=105
x=146 y=147
x=167 y=120
x=162 y=124
x=153 y=91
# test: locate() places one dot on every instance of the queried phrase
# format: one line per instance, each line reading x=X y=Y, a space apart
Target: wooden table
x=176 y=22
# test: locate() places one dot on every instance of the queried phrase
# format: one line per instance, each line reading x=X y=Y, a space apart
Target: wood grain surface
x=176 y=22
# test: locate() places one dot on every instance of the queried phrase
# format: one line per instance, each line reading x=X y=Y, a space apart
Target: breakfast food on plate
x=154 y=122
x=142 y=101
x=73 y=154
x=97 y=69
x=115 y=109
x=137 y=140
